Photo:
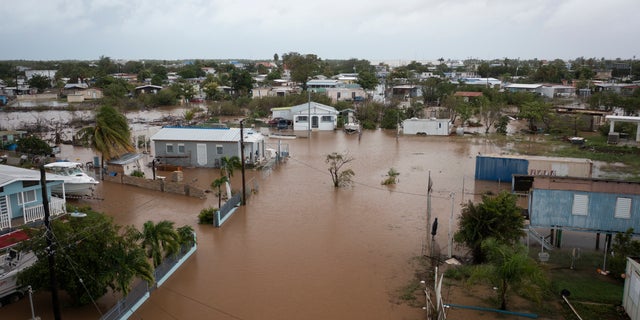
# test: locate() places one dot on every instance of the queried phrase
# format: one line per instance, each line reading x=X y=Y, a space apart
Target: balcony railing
x=35 y=213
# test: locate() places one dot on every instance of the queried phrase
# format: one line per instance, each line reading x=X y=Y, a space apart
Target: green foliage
x=496 y=217
x=303 y=67
x=110 y=135
x=93 y=254
x=367 y=79
x=340 y=177
x=621 y=127
x=33 y=145
x=160 y=240
x=509 y=268
x=392 y=177
x=624 y=246
x=206 y=215
x=217 y=184
x=39 y=82
x=501 y=125
x=390 y=118
x=137 y=173
x=187 y=236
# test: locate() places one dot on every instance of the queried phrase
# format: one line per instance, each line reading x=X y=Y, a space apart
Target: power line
x=202 y=303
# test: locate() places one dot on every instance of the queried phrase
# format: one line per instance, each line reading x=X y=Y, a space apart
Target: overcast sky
x=332 y=29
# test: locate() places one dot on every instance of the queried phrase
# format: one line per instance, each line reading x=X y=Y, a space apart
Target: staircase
x=540 y=238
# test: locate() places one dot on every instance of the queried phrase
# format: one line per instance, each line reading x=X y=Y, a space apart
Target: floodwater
x=301 y=249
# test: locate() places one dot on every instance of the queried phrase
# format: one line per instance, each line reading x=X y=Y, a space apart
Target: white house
x=323 y=117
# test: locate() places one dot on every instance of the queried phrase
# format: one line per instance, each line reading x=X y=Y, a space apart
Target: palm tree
x=110 y=135
x=227 y=166
x=129 y=264
x=187 y=237
x=218 y=183
x=160 y=240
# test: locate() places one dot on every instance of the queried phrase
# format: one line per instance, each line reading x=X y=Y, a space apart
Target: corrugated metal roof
x=206 y=134
x=10 y=174
x=126 y=158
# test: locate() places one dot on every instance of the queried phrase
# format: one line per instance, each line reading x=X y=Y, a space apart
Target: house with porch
x=204 y=147
x=314 y=116
x=21 y=199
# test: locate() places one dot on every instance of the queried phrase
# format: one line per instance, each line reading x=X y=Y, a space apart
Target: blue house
x=585 y=204
x=21 y=197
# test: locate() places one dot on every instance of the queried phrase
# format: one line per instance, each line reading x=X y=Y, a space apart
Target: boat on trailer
x=77 y=183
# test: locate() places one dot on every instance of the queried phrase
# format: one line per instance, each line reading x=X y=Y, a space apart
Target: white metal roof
x=10 y=174
x=313 y=107
x=206 y=134
x=524 y=86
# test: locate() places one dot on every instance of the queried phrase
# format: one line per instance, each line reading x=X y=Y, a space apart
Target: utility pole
x=53 y=283
x=243 y=202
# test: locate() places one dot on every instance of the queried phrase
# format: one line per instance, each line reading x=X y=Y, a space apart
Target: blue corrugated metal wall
x=553 y=208
x=499 y=169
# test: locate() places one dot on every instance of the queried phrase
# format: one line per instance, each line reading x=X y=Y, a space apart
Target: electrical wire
x=202 y=303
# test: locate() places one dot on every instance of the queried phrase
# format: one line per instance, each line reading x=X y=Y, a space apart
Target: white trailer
x=427 y=127
x=11 y=263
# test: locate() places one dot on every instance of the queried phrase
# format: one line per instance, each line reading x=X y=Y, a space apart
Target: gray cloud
x=373 y=29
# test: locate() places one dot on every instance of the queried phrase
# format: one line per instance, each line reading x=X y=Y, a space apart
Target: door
x=5 y=213
x=314 y=122
x=201 y=154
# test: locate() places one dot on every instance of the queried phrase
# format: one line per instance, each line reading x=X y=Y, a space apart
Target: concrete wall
x=159 y=185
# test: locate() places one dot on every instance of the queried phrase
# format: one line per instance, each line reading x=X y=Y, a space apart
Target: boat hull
x=75 y=189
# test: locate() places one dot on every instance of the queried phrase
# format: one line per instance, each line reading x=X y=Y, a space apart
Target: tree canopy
x=495 y=217
x=93 y=255
x=110 y=135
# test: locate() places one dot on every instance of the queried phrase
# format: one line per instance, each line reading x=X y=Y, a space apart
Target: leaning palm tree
x=110 y=135
x=217 y=184
x=160 y=240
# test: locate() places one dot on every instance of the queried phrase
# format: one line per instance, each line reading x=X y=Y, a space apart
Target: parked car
x=283 y=124
x=275 y=121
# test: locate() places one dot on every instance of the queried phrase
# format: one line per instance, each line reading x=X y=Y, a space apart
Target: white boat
x=76 y=182
x=352 y=125
x=12 y=262
x=275 y=135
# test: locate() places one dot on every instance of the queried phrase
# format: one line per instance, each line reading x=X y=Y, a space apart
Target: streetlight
x=50 y=246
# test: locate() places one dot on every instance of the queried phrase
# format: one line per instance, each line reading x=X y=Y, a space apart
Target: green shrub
x=206 y=215
x=137 y=173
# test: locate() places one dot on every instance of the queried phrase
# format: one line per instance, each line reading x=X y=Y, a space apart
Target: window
x=181 y=148
x=29 y=196
x=623 y=208
x=326 y=119
x=301 y=119
x=169 y=148
x=580 y=205
x=219 y=149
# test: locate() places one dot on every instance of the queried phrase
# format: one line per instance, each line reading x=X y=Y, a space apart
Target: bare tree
x=341 y=177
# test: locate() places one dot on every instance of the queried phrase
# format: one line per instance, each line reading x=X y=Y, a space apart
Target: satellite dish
x=77 y=214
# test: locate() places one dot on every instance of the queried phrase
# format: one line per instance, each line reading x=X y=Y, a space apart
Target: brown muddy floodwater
x=301 y=249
